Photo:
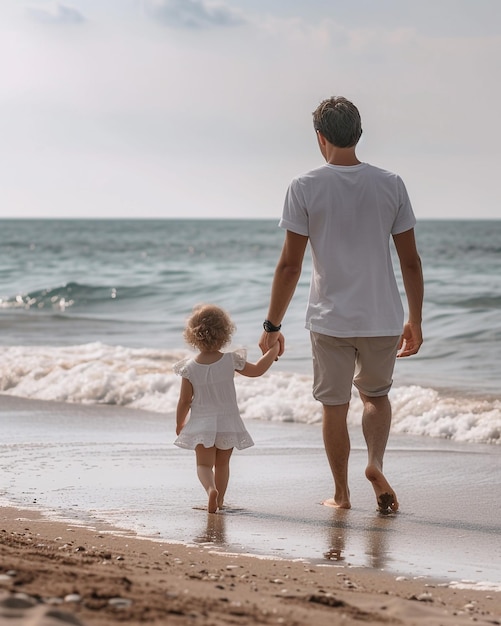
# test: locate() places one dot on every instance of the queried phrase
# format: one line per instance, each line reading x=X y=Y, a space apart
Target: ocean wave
x=72 y=294
x=481 y=302
x=426 y=411
x=97 y=373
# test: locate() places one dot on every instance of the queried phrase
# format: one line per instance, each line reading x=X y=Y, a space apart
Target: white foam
x=91 y=374
x=484 y=585
x=424 y=411
x=96 y=373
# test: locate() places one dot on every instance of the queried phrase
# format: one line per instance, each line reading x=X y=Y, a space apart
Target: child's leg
x=206 y=458
x=222 y=473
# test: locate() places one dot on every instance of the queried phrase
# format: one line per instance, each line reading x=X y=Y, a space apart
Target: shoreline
x=103 y=576
x=110 y=465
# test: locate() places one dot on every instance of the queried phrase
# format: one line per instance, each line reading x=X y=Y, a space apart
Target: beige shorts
x=340 y=362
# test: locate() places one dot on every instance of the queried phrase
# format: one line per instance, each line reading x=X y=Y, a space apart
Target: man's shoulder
x=363 y=167
x=326 y=174
x=314 y=172
x=382 y=172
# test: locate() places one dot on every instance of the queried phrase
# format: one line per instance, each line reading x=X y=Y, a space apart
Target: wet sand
x=54 y=573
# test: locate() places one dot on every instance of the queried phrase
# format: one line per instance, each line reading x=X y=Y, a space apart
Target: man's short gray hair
x=338 y=120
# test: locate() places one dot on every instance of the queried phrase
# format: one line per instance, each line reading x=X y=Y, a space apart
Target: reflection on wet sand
x=376 y=534
x=377 y=537
x=337 y=535
x=214 y=530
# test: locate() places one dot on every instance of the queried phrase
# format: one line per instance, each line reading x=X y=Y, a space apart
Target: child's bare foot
x=212 y=504
x=386 y=498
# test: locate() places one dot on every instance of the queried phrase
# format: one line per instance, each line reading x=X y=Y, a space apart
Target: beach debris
x=120 y=603
x=19 y=601
x=350 y=584
x=26 y=609
x=423 y=597
x=52 y=600
x=72 y=597
x=328 y=599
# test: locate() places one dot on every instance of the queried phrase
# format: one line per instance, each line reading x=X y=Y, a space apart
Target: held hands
x=410 y=341
x=268 y=340
x=274 y=350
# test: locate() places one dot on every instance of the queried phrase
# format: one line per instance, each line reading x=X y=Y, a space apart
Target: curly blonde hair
x=208 y=328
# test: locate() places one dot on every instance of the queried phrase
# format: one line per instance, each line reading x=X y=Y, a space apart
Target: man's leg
x=376 y=422
x=337 y=447
x=333 y=370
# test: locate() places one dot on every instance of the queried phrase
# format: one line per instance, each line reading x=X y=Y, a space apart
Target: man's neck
x=341 y=156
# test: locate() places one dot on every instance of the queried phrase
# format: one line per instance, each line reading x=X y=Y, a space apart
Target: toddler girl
x=208 y=390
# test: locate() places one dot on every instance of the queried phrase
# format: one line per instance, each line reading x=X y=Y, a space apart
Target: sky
x=202 y=109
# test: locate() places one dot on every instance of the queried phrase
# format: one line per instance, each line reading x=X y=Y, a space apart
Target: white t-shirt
x=349 y=214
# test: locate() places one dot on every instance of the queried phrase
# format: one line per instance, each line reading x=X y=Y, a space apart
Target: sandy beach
x=54 y=573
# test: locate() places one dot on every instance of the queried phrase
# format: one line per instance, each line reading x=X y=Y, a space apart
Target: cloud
x=192 y=14
x=111 y=121
x=58 y=14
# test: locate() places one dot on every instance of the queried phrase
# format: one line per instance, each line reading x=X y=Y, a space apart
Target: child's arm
x=258 y=369
x=183 y=404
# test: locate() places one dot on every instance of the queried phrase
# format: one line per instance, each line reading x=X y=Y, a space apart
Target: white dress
x=214 y=418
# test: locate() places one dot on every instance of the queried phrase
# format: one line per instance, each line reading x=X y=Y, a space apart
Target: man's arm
x=284 y=284
x=412 y=274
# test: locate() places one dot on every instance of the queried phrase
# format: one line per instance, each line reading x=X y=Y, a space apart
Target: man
x=348 y=211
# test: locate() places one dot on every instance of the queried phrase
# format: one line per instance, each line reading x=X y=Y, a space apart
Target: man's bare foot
x=212 y=505
x=386 y=498
x=333 y=503
x=386 y=503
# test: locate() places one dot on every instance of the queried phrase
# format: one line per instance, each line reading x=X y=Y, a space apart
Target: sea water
x=92 y=312
x=91 y=316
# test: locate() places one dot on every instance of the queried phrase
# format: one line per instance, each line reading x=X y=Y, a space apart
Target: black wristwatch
x=271 y=328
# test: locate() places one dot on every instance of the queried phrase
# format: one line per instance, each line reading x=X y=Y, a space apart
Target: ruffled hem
x=222 y=441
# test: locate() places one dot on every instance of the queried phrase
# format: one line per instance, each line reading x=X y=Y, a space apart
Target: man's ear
x=321 y=139
x=322 y=144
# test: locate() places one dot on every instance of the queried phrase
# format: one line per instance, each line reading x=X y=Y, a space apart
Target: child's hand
x=267 y=338
x=275 y=350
